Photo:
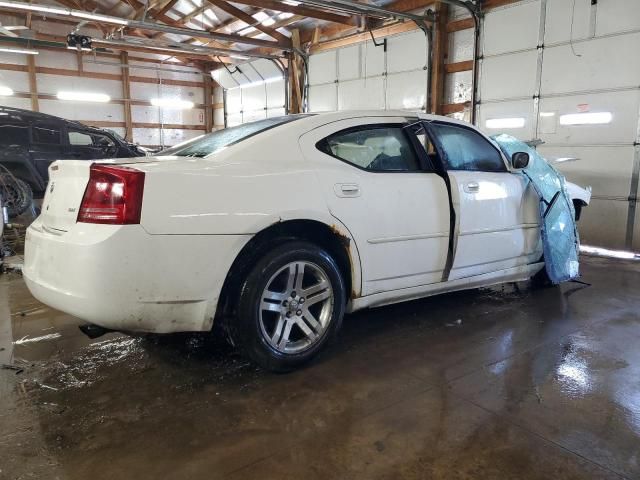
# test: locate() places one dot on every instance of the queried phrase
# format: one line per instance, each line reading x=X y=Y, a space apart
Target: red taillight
x=113 y=195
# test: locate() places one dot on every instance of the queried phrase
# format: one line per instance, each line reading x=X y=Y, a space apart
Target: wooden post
x=440 y=54
x=295 y=76
x=208 y=103
x=126 y=97
x=33 y=83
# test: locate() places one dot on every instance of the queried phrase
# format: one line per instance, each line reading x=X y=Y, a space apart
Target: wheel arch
x=334 y=238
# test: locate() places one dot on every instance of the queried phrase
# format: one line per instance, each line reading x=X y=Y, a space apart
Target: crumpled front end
x=559 y=233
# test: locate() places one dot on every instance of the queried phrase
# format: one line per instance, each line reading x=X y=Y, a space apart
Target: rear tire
x=17 y=195
x=290 y=304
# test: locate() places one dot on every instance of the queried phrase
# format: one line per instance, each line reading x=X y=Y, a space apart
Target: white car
x=280 y=226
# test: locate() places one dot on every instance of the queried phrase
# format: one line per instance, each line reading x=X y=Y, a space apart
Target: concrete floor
x=501 y=383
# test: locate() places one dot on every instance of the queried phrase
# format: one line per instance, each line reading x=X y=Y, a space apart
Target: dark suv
x=30 y=142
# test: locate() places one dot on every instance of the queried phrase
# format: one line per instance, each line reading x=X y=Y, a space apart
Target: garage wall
x=58 y=70
x=543 y=59
x=365 y=76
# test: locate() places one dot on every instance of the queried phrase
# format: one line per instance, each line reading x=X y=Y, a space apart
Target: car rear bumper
x=122 y=278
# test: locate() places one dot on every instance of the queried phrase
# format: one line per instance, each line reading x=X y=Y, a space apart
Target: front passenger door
x=497 y=220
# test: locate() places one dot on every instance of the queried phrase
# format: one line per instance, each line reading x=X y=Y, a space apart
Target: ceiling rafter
x=248 y=19
x=300 y=10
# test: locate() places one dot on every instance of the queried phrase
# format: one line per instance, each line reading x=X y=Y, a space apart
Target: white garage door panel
x=407 y=90
x=323 y=98
x=622 y=129
x=349 y=63
x=254 y=98
x=514 y=109
x=361 y=94
x=275 y=94
x=234 y=100
x=617 y=15
x=253 y=115
x=509 y=76
x=604 y=63
x=372 y=60
x=322 y=68
x=512 y=28
x=406 y=52
x=266 y=68
x=275 y=112
x=604 y=222
x=558 y=22
x=606 y=169
x=224 y=78
x=234 y=119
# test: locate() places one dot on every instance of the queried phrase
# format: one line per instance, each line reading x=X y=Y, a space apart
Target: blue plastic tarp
x=560 y=239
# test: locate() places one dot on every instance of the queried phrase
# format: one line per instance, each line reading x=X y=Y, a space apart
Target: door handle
x=347 y=189
x=472 y=187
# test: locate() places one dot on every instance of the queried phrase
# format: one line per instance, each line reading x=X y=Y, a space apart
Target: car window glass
x=465 y=149
x=46 y=134
x=14 y=134
x=80 y=138
x=385 y=149
x=102 y=141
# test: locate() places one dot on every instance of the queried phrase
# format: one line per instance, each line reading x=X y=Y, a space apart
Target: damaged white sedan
x=279 y=227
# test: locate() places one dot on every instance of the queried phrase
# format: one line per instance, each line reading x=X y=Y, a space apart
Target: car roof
x=324 y=118
x=28 y=115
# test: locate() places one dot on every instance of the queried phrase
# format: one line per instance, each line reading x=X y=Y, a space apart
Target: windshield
x=213 y=142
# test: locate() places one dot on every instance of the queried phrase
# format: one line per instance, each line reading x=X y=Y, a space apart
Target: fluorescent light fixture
x=99 y=18
x=515 y=122
x=172 y=103
x=82 y=49
x=84 y=97
x=24 y=51
x=34 y=8
x=285 y=15
x=238 y=57
x=590 y=118
x=293 y=3
x=5 y=92
x=547 y=114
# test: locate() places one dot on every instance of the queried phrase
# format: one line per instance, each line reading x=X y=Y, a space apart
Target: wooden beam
x=126 y=96
x=439 y=55
x=33 y=83
x=450 y=108
x=299 y=10
x=458 y=25
x=459 y=66
x=393 y=29
x=249 y=20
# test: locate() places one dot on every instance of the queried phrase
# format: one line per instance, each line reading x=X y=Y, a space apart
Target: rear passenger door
x=377 y=182
x=46 y=145
x=497 y=220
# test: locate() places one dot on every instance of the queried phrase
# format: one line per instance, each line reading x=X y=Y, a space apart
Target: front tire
x=290 y=305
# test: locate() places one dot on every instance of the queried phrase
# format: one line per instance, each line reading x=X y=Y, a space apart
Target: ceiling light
x=84 y=97
x=516 y=122
x=25 y=51
x=291 y=2
x=5 y=92
x=592 y=118
x=172 y=103
x=99 y=18
x=34 y=8
x=547 y=114
x=285 y=15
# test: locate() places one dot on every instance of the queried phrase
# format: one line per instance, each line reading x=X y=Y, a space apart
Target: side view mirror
x=520 y=160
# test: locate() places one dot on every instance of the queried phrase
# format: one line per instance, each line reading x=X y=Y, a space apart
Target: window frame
x=424 y=165
x=441 y=153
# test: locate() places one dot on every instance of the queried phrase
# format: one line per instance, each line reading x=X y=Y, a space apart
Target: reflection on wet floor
x=473 y=384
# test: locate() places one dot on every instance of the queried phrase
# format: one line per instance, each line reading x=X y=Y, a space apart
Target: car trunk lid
x=67 y=182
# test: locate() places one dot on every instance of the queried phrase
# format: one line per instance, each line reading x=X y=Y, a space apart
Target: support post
x=126 y=97
x=440 y=55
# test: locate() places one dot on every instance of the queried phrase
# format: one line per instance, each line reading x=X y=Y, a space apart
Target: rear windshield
x=212 y=142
